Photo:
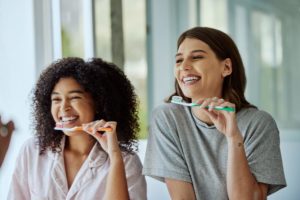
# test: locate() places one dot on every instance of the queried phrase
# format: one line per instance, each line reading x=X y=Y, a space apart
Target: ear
x=227 y=70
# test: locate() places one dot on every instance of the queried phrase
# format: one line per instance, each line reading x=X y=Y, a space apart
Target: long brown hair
x=224 y=47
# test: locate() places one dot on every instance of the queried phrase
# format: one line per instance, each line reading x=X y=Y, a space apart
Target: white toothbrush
x=79 y=128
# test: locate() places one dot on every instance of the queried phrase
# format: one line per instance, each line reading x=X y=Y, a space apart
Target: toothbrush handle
x=229 y=109
x=101 y=129
x=108 y=129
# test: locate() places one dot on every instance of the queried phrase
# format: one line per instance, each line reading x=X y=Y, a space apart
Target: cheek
x=176 y=74
x=54 y=110
x=88 y=110
x=175 y=71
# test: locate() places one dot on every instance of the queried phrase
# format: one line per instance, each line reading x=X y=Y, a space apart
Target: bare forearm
x=241 y=184
x=180 y=190
x=116 y=186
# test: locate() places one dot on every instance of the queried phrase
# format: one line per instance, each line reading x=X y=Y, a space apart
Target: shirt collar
x=96 y=158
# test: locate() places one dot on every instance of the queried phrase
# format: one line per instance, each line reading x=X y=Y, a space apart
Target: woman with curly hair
x=81 y=164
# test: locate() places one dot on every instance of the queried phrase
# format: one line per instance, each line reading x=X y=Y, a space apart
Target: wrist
x=235 y=139
x=115 y=155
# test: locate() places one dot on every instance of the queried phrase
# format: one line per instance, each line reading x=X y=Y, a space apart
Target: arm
x=164 y=159
x=116 y=185
x=116 y=178
x=180 y=189
x=241 y=184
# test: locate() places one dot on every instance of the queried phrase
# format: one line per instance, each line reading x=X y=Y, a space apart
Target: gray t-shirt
x=182 y=147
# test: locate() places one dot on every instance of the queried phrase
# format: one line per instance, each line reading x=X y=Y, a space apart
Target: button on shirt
x=43 y=176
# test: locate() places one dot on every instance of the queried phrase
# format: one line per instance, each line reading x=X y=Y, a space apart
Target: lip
x=190 y=79
x=69 y=120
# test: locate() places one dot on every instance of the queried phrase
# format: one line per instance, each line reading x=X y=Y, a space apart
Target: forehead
x=67 y=83
x=191 y=44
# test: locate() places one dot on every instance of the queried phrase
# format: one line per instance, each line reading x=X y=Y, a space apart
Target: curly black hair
x=112 y=92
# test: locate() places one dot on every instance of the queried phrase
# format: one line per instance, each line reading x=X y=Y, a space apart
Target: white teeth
x=65 y=119
x=190 y=78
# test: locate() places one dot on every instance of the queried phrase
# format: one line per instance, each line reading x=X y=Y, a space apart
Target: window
x=134 y=29
x=266 y=34
x=72 y=28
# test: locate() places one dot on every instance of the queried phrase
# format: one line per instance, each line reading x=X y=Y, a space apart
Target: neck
x=201 y=115
x=80 y=144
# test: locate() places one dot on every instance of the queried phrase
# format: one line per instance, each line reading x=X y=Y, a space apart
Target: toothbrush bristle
x=177 y=98
x=59 y=125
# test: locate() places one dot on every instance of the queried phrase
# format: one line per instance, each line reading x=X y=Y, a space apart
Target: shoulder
x=254 y=115
x=169 y=111
x=131 y=159
x=167 y=108
x=28 y=153
x=30 y=146
x=256 y=122
x=132 y=163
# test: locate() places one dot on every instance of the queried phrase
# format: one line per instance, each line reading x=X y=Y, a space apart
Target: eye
x=75 y=97
x=178 y=60
x=197 y=57
x=55 y=99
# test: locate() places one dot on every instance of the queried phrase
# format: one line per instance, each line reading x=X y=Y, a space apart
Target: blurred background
x=140 y=36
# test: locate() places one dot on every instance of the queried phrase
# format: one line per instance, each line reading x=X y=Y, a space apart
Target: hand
x=108 y=140
x=6 y=131
x=224 y=121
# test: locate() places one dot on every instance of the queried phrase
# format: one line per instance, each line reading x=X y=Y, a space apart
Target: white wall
x=17 y=75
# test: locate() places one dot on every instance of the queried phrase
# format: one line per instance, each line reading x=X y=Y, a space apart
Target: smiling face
x=198 y=71
x=71 y=105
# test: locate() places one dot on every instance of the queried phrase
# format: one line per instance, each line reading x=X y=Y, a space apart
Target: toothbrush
x=80 y=128
x=179 y=100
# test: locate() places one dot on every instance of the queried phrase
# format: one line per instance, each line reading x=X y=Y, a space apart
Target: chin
x=72 y=133
x=189 y=94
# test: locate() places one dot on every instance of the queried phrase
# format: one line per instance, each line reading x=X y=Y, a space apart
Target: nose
x=185 y=65
x=65 y=106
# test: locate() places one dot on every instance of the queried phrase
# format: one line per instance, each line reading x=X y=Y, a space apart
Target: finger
x=220 y=101
x=228 y=104
x=111 y=124
x=205 y=103
x=89 y=127
x=200 y=101
x=98 y=125
x=215 y=99
x=211 y=114
x=213 y=104
x=11 y=126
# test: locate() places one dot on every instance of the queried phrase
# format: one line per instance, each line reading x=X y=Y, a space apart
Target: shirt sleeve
x=135 y=179
x=164 y=155
x=19 y=184
x=262 y=146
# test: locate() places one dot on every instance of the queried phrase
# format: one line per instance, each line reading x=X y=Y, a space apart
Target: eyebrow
x=71 y=92
x=194 y=51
